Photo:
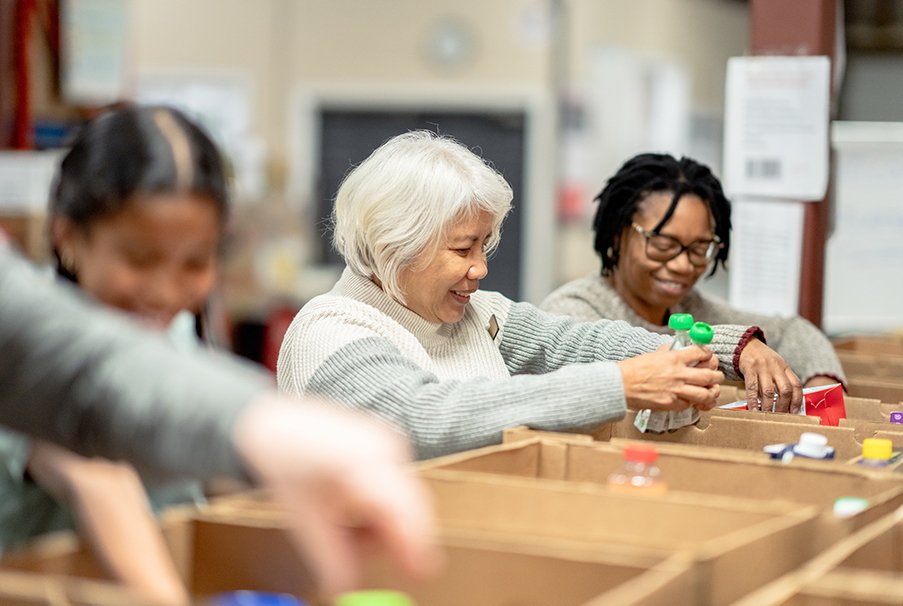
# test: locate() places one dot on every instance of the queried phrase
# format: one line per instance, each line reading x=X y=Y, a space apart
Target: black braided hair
x=645 y=174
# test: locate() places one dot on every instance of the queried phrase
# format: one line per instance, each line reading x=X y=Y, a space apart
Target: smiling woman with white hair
x=406 y=333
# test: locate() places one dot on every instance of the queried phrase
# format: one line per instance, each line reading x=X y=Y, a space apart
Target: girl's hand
x=346 y=483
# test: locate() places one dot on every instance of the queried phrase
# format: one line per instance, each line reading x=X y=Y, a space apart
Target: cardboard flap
x=869 y=409
x=884 y=389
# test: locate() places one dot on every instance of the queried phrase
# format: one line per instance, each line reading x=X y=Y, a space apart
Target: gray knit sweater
x=93 y=381
x=456 y=386
x=801 y=344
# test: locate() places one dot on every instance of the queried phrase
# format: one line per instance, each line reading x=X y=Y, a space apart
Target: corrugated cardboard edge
x=25 y=588
x=522 y=432
x=670 y=583
x=781 y=590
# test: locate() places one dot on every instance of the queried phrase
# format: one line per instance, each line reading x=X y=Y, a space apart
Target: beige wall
x=285 y=43
x=698 y=34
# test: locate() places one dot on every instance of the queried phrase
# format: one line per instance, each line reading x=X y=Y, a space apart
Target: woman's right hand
x=672 y=380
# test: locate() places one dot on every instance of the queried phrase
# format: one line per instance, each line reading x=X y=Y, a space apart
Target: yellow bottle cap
x=875 y=448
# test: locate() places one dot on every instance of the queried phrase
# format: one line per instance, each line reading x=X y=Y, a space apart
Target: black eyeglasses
x=662 y=248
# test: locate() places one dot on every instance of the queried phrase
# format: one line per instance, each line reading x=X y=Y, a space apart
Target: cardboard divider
x=487 y=569
x=755 y=415
x=864 y=568
x=514 y=540
x=885 y=346
x=743 y=433
x=240 y=545
x=34 y=589
x=883 y=388
x=736 y=544
x=728 y=473
x=862 y=365
x=743 y=430
x=871 y=409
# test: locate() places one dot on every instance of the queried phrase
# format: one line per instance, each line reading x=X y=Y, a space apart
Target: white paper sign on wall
x=776 y=127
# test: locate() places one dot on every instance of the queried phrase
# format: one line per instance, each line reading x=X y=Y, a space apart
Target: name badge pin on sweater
x=492 y=327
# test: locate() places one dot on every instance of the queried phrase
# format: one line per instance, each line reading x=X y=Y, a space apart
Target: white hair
x=401 y=201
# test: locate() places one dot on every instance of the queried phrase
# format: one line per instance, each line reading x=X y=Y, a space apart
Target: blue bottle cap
x=256 y=598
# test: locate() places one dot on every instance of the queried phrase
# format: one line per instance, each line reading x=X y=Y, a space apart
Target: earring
x=610 y=252
x=67 y=261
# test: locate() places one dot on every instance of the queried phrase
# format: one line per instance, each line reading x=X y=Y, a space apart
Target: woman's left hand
x=767 y=376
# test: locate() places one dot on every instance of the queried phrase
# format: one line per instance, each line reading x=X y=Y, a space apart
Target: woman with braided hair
x=661 y=224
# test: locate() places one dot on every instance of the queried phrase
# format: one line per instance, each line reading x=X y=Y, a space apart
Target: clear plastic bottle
x=681 y=325
x=646 y=420
x=876 y=452
x=699 y=334
x=375 y=597
x=638 y=473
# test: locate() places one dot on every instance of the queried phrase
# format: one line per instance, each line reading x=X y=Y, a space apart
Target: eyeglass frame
x=648 y=234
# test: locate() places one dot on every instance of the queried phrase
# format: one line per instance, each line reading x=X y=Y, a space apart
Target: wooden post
x=801 y=27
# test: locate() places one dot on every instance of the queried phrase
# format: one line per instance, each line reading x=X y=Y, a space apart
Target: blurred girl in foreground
x=136 y=220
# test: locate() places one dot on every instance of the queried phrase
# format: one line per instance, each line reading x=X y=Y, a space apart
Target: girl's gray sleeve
x=442 y=417
x=92 y=381
x=535 y=341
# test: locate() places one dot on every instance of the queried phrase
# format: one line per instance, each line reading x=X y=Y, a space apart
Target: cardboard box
x=865 y=568
x=732 y=430
x=884 y=346
x=753 y=431
x=727 y=473
x=242 y=546
x=681 y=549
x=860 y=365
x=883 y=388
x=522 y=541
x=728 y=431
x=871 y=409
x=33 y=589
x=736 y=544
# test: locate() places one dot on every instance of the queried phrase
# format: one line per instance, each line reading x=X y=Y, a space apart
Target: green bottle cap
x=701 y=333
x=680 y=321
x=379 y=597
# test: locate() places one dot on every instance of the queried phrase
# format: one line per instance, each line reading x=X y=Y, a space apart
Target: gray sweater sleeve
x=536 y=341
x=448 y=416
x=94 y=382
x=805 y=348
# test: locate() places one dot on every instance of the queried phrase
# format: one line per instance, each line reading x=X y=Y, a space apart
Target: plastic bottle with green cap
x=376 y=597
x=658 y=422
x=681 y=325
x=700 y=334
x=876 y=452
